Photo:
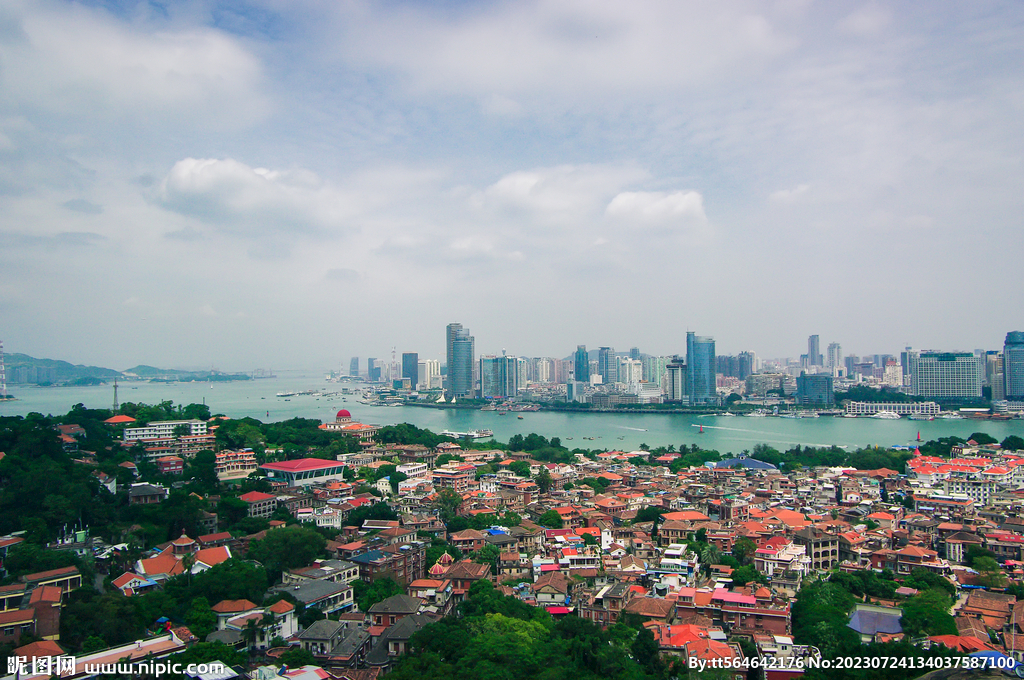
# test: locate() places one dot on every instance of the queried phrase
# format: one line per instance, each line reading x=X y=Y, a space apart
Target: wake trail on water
x=766 y=437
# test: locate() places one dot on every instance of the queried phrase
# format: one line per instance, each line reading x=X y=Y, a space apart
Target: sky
x=288 y=184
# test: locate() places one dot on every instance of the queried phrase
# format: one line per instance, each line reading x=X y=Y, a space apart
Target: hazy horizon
x=247 y=184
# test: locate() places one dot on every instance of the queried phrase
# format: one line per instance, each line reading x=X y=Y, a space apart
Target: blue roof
x=749 y=463
x=870 y=622
x=367 y=557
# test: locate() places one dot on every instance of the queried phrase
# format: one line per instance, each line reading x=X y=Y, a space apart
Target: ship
x=887 y=415
x=472 y=434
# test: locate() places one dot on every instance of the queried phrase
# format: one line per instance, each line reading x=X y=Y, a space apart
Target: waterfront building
x=499 y=376
x=429 y=374
x=914 y=408
x=461 y=351
x=994 y=377
x=411 y=368
x=675 y=380
x=608 y=365
x=582 y=364
x=700 y=369
x=815 y=390
x=952 y=376
x=1013 y=366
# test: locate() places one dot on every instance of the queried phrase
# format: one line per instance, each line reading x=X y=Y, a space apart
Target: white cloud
x=230 y=195
x=786 y=196
x=78 y=61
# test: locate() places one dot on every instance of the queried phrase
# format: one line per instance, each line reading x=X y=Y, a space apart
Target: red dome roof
x=343 y=413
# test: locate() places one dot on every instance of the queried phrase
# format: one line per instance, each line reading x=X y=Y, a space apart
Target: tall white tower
x=3 y=374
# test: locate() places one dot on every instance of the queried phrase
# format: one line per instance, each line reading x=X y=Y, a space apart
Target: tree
x=1013 y=443
x=544 y=480
x=550 y=519
x=488 y=554
x=200 y=618
x=287 y=548
x=448 y=503
x=520 y=467
x=378 y=591
x=743 y=550
x=990 y=574
x=983 y=439
x=928 y=614
x=296 y=657
x=746 y=574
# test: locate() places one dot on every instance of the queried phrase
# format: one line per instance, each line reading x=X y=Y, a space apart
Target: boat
x=951 y=415
x=921 y=416
x=519 y=417
x=472 y=434
x=759 y=413
x=887 y=415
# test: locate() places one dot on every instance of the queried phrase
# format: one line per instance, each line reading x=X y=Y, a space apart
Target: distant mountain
x=21 y=368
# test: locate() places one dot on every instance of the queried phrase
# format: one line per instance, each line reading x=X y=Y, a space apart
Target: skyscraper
x=1013 y=366
x=411 y=367
x=499 y=376
x=608 y=365
x=634 y=352
x=461 y=348
x=700 y=369
x=353 y=366
x=814 y=357
x=834 y=358
x=372 y=370
x=582 y=364
x=675 y=380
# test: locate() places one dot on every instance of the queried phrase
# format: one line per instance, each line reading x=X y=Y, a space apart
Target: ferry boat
x=472 y=434
x=920 y=416
x=887 y=415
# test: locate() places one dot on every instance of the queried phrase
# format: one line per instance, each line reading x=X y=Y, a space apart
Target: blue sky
x=294 y=183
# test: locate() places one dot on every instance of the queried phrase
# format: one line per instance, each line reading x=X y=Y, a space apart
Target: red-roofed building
x=260 y=504
x=304 y=471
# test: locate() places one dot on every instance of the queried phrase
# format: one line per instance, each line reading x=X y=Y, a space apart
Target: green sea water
x=256 y=399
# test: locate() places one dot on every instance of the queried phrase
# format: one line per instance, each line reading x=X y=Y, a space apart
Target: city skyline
x=234 y=184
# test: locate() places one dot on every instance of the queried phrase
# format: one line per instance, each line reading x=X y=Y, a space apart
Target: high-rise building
x=411 y=367
x=608 y=365
x=429 y=374
x=994 y=378
x=353 y=366
x=582 y=364
x=499 y=376
x=814 y=357
x=944 y=376
x=700 y=370
x=654 y=368
x=748 y=364
x=372 y=370
x=1013 y=366
x=461 y=350
x=675 y=380
x=815 y=390
x=630 y=371
x=834 y=358
x=634 y=352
